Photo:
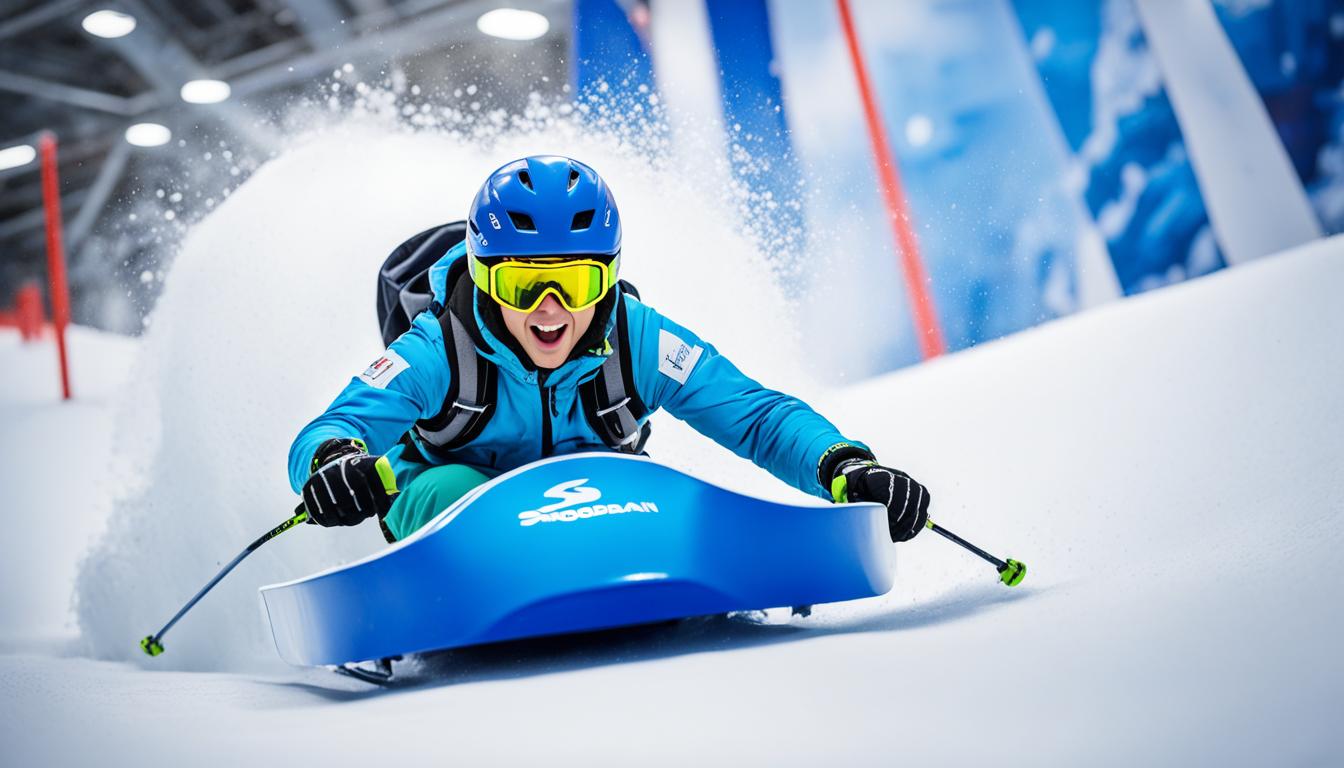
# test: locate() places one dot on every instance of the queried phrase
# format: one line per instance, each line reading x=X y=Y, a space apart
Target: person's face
x=549 y=332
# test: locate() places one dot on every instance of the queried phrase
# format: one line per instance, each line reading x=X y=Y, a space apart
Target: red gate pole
x=60 y=291
x=916 y=279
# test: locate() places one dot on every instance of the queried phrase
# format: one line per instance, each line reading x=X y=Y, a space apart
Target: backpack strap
x=471 y=391
x=610 y=400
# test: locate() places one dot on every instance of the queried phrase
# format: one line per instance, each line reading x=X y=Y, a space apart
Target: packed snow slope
x=54 y=472
x=1167 y=466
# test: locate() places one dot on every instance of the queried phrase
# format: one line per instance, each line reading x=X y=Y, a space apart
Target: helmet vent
x=522 y=222
x=573 y=179
x=582 y=220
x=474 y=229
x=525 y=179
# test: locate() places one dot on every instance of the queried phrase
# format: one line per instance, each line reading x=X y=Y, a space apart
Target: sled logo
x=572 y=494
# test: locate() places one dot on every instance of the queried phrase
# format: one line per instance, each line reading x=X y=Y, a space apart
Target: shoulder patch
x=383 y=370
x=676 y=358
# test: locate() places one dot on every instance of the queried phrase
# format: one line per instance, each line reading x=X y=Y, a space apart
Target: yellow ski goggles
x=521 y=284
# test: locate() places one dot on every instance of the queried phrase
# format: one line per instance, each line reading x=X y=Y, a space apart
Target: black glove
x=853 y=474
x=348 y=486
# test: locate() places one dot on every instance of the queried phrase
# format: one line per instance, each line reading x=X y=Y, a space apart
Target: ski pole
x=1011 y=572
x=153 y=644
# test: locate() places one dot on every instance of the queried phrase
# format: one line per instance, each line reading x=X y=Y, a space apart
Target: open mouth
x=548 y=335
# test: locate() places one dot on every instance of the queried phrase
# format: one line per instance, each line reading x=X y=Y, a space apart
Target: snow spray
x=267 y=311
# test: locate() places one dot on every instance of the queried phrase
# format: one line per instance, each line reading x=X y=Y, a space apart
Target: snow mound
x=267 y=312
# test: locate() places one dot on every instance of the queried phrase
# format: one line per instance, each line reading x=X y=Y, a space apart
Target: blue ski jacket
x=673 y=369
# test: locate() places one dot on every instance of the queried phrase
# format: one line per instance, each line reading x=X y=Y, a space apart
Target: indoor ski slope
x=1168 y=467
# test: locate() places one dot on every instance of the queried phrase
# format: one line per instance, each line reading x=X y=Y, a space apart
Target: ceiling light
x=109 y=24
x=205 y=91
x=13 y=157
x=513 y=24
x=148 y=135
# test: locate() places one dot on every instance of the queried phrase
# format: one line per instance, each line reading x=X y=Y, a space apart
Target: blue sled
x=576 y=543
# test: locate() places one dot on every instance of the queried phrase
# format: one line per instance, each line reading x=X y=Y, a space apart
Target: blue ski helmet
x=545 y=205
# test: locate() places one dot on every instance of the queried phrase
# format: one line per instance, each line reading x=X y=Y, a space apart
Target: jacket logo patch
x=676 y=358
x=383 y=370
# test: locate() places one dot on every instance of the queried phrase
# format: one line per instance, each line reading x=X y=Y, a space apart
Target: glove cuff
x=828 y=467
x=336 y=448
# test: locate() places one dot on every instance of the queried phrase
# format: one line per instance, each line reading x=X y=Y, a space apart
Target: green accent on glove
x=840 y=489
x=151 y=646
x=834 y=456
x=1012 y=572
x=840 y=483
x=385 y=473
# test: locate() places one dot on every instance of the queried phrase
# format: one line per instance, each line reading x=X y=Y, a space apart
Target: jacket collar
x=491 y=347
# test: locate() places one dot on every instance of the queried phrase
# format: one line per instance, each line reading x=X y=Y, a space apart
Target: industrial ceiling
x=55 y=76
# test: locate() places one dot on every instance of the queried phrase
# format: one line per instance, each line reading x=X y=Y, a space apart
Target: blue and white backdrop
x=1054 y=155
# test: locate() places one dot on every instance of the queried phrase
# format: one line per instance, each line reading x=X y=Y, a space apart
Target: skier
x=531 y=348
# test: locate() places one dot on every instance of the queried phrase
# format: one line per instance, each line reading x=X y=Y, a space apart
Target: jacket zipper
x=546 y=394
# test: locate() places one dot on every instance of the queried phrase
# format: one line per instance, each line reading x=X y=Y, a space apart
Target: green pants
x=431 y=492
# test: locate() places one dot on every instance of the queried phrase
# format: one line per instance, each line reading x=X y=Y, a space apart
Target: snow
x=54 y=466
x=1167 y=466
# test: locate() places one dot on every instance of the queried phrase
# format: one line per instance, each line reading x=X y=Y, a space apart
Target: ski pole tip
x=1012 y=572
x=151 y=646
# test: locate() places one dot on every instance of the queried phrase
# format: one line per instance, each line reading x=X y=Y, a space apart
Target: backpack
x=403 y=280
x=609 y=399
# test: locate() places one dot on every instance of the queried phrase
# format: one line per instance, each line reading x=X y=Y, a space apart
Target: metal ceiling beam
x=363 y=7
x=156 y=53
x=171 y=14
x=37 y=17
x=99 y=192
x=219 y=9
x=452 y=24
x=75 y=96
x=34 y=218
x=260 y=57
x=167 y=64
x=321 y=22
